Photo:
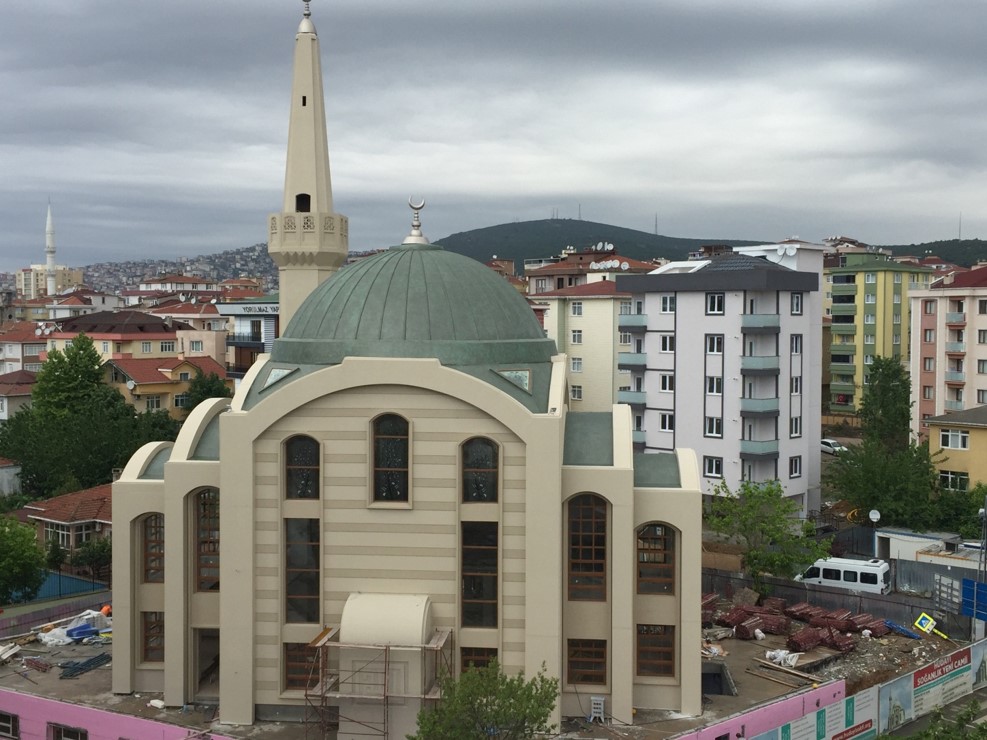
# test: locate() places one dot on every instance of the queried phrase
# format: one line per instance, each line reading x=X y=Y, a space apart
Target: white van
x=872 y=576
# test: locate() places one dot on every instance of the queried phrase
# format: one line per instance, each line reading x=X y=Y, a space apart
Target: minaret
x=307 y=241
x=50 y=253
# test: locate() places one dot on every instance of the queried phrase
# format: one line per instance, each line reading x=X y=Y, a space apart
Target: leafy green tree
x=204 y=386
x=95 y=554
x=964 y=727
x=77 y=429
x=54 y=555
x=765 y=522
x=886 y=406
x=21 y=561
x=485 y=704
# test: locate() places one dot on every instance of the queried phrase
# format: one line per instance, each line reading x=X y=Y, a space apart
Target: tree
x=54 y=555
x=96 y=555
x=892 y=473
x=485 y=704
x=77 y=429
x=204 y=386
x=965 y=727
x=21 y=562
x=766 y=524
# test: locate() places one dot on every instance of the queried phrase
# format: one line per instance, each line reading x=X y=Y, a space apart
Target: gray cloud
x=159 y=128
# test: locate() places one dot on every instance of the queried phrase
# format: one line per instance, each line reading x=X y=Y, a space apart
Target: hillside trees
x=77 y=429
x=766 y=523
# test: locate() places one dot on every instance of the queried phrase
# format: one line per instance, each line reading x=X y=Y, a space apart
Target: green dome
x=415 y=300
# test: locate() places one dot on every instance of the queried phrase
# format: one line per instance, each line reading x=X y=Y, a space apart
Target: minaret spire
x=49 y=253
x=308 y=241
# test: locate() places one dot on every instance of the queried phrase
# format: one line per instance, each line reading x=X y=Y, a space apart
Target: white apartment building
x=583 y=321
x=948 y=346
x=727 y=355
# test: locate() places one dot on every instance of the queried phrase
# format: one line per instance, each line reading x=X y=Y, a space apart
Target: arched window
x=152 y=548
x=301 y=468
x=206 y=512
x=587 y=548
x=479 y=457
x=390 y=458
x=656 y=559
x=303 y=203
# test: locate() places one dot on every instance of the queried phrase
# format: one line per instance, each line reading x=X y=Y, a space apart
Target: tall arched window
x=301 y=468
x=207 y=540
x=152 y=548
x=479 y=457
x=587 y=548
x=390 y=458
x=656 y=559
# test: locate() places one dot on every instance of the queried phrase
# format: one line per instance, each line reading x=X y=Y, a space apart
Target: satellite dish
x=874 y=516
x=625 y=266
x=130 y=385
x=181 y=297
x=213 y=300
x=37 y=332
x=47 y=330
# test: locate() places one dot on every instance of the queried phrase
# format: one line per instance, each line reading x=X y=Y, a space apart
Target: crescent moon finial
x=416 y=236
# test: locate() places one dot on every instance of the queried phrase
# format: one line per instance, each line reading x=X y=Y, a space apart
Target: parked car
x=832 y=447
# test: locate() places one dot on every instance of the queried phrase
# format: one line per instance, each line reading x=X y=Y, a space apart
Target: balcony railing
x=758 y=447
x=952 y=376
x=768 y=362
x=843 y=368
x=843 y=328
x=956 y=347
x=632 y=321
x=954 y=405
x=955 y=317
x=842 y=408
x=760 y=321
x=842 y=387
x=634 y=398
x=632 y=359
x=248 y=338
x=638 y=437
x=757 y=405
x=843 y=348
x=844 y=309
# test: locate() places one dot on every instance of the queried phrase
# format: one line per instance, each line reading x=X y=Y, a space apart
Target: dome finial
x=416 y=236
x=308 y=10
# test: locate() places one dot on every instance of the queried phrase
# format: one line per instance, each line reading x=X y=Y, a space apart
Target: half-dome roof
x=415 y=300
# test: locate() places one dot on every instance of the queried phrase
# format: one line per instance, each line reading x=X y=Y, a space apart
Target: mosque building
x=399 y=489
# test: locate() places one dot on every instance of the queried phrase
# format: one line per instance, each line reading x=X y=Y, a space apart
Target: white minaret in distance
x=50 y=254
x=307 y=240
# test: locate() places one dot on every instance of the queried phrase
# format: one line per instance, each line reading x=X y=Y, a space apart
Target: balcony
x=632 y=360
x=843 y=348
x=953 y=376
x=844 y=289
x=843 y=368
x=634 y=398
x=632 y=321
x=245 y=340
x=638 y=436
x=760 y=323
x=842 y=408
x=956 y=347
x=767 y=406
x=842 y=387
x=954 y=317
x=844 y=309
x=954 y=405
x=843 y=328
x=759 y=448
x=759 y=365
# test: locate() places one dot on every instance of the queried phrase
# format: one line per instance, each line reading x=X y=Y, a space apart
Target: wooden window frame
x=655 y=650
x=152 y=548
x=475 y=566
x=586 y=662
x=206 y=512
x=152 y=637
x=656 y=542
x=586 y=528
x=314 y=595
x=293 y=469
x=404 y=496
x=474 y=658
x=469 y=471
x=298 y=659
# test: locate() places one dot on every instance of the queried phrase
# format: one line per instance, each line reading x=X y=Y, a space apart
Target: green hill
x=530 y=239
x=965 y=252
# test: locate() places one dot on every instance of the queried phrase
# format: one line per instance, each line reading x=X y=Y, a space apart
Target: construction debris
x=74 y=668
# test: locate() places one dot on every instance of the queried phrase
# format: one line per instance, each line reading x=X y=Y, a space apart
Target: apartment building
x=583 y=321
x=948 y=346
x=32 y=281
x=867 y=299
x=957 y=442
x=573 y=268
x=726 y=352
x=21 y=347
x=159 y=384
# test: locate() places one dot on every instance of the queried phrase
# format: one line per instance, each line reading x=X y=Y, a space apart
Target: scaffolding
x=353 y=683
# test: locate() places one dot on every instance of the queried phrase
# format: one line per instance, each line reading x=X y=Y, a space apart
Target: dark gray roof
x=656 y=470
x=734 y=261
x=588 y=438
x=724 y=272
x=975 y=417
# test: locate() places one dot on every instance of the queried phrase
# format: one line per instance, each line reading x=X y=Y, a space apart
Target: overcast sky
x=158 y=128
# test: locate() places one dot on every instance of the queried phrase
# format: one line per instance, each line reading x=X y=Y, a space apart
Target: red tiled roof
x=185 y=308
x=118 y=322
x=601 y=288
x=89 y=505
x=17 y=383
x=6 y=462
x=581 y=261
x=22 y=331
x=159 y=370
x=975 y=278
